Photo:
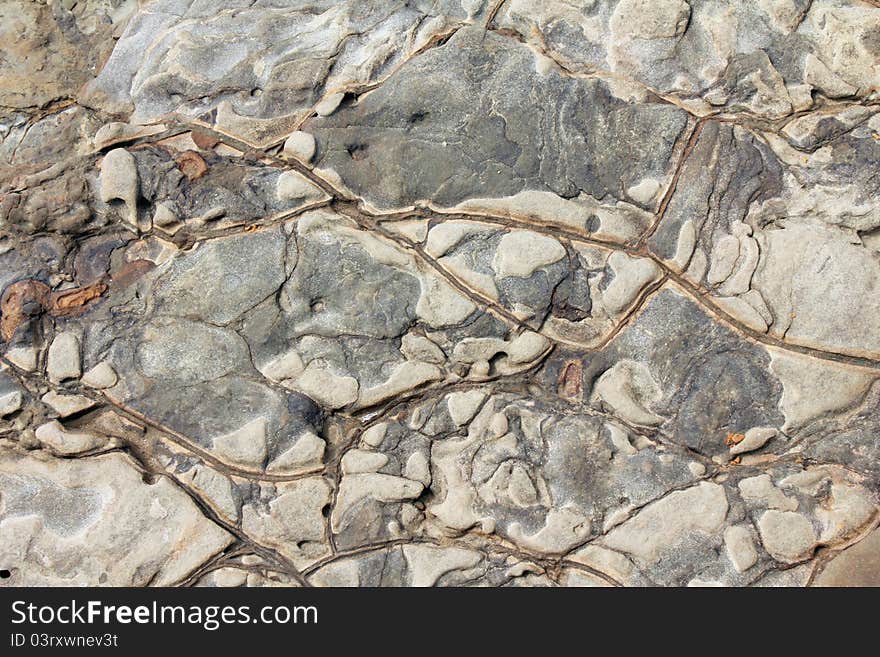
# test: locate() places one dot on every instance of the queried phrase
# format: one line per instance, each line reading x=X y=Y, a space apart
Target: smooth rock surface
x=440 y=293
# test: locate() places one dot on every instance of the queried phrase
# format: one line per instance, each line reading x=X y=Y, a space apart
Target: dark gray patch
x=486 y=122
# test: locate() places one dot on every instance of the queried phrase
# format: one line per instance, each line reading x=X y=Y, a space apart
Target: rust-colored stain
x=569 y=384
x=29 y=298
x=20 y=301
x=191 y=165
x=204 y=140
x=734 y=439
x=73 y=302
x=132 y=271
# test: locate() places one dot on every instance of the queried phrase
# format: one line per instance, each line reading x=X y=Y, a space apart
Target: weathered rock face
x=440 y=293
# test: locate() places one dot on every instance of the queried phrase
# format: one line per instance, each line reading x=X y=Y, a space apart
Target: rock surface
x=448 y=293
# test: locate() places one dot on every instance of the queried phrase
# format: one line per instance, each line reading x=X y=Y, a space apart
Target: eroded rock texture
x=354 y=293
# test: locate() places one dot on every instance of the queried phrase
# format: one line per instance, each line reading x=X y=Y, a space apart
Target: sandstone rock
x=358 y=460
x=119 y=181
x=740 y=547
x=447 y=293
x=23 y=357
x=858 y=565
x=63 y=360
x=291 y=521
x=291 y=185
x=65 y=442
x=100 y=376
x=246 y=445
x=629 y=389
x=520 y=253
x=328 y=105
x=427 y=564
x=787 y=536
x=10 y=402
x=701 y=54
x=755 y=438
x=760 y=490
x=300 y=145
x=66 y=405
x=700 y=509
x=94 y=521
x=463 y=405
